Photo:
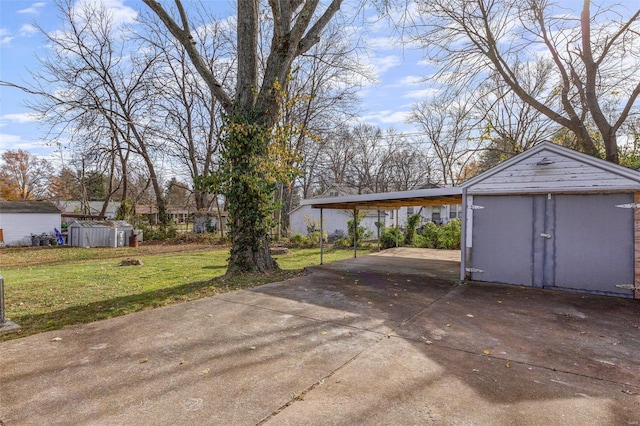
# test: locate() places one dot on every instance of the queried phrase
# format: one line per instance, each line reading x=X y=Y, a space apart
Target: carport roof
x=389 y=200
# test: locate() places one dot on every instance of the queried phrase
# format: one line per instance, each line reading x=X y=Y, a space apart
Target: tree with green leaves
x=251 y=111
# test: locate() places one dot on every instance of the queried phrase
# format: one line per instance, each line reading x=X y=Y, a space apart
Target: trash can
x=133 y=239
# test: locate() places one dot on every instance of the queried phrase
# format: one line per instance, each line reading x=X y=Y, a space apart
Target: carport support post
x=397 y=213
x=355 y=233
x=1 y=300
x=321 y=238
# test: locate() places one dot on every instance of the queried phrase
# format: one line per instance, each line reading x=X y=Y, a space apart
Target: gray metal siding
x=577 y=242
x=502 y=241
x=593 y=243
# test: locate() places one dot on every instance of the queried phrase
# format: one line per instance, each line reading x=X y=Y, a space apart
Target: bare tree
x=93 y=87
x=509 y=125
x=192 y=118
x=595 y=58
x=408 y=165
x=447 y=123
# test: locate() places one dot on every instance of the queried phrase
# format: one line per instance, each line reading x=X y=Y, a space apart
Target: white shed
x=21 y=219
x=554 y=218
x=99 y=233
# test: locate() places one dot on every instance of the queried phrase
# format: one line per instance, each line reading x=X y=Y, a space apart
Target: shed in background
x=99 y=233
x=21 y=219
x=554 y=218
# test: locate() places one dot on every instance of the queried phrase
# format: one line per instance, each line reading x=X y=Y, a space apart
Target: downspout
x=378 y=226
x=463 y=241
x=355 y=233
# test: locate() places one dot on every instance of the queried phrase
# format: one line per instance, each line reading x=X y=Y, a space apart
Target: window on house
x=455 y=211
x=409 y=211
x=333 y=193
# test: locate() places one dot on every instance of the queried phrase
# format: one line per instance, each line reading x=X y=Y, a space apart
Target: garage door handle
x=547 y=236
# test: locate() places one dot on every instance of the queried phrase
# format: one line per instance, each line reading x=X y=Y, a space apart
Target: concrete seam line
x=305 y=391
x=429 y=305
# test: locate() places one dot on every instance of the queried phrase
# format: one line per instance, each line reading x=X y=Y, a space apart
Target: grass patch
x=48 y=289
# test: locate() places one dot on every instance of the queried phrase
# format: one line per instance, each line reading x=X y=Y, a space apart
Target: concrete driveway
x=383 y=339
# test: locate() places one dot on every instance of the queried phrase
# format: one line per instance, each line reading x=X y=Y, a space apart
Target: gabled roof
x=41 y=207
x=548 y=167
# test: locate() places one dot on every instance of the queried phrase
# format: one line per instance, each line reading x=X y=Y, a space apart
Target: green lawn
x=47 y=289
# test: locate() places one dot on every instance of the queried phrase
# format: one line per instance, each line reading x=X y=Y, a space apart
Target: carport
x=384 y=201
x=550 y=217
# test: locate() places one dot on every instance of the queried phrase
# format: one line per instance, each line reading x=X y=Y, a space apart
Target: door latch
x=547 y=236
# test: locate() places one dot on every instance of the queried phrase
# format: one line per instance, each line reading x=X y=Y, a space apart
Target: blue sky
x=385 y=103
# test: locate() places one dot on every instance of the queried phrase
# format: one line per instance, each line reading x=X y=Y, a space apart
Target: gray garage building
x=554 y=218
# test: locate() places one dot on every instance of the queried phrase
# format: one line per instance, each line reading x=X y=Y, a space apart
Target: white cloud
x=34 y=9
x=5 y=37
x=28 y=30
x=385 y=63
x=396 y=118
x=26 y=117
x=422 y=94
x=13 y=142
x=120 y=13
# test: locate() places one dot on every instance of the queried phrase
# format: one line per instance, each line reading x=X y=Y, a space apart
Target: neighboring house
x=440 y=215
x=204 y=221
x=77 y=209
x=19 y=220
x=304 y=217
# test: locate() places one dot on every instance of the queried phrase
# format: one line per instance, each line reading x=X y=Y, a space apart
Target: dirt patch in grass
x=51 y=255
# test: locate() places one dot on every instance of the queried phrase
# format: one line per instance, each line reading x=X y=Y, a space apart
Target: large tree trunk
x=251 y=113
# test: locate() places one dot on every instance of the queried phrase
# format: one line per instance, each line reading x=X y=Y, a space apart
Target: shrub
x=159 y=234
x=412 y=223
x=363 y=233
x=419 y=241
x=306 y=241
x=445 y=237
x=336 y=235
x=450 y=235
x=344 y=242
x=388 y=238
x=430 y=232
x=296 y=240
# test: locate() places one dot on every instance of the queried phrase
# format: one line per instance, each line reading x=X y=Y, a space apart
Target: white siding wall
x=333 y=220
x=18 y=227
x=337 y=219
